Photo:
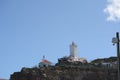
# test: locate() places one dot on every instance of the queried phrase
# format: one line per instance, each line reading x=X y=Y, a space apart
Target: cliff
x=65 y=73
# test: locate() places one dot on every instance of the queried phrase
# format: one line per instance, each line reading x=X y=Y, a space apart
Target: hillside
x=64 y=73
x=69 y=71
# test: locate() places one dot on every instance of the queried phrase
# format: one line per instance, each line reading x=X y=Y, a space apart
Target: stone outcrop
x=64 y=73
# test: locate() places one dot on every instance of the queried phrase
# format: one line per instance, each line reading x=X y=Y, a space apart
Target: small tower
x=73 y=50
x=43 y=57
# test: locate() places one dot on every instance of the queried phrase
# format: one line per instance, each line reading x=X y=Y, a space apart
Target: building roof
x=46 y=61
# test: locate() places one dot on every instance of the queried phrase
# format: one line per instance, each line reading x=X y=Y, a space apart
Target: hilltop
x=69 y=71
x=70 y=67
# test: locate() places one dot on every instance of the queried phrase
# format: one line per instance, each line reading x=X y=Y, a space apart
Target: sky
x=30 y=29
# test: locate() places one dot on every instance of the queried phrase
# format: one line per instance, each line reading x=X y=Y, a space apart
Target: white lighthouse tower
x=73 y=52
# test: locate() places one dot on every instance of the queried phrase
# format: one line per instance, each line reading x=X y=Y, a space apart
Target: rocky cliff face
x=64 y=73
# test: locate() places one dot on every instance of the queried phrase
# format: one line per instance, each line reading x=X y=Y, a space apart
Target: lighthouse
x=73 y=57
x=73 y=50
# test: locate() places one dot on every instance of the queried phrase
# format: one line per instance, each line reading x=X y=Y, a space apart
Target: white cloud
x=113 y=10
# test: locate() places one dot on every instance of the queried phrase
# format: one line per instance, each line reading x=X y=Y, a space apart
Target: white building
x=44 y=63
x=73 y=54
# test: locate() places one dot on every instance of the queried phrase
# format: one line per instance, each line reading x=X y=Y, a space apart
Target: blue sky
x=30 y=29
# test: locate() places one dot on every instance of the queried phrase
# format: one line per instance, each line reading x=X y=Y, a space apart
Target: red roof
x=46 y=61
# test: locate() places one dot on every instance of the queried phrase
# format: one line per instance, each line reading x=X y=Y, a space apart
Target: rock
x=64 y=73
